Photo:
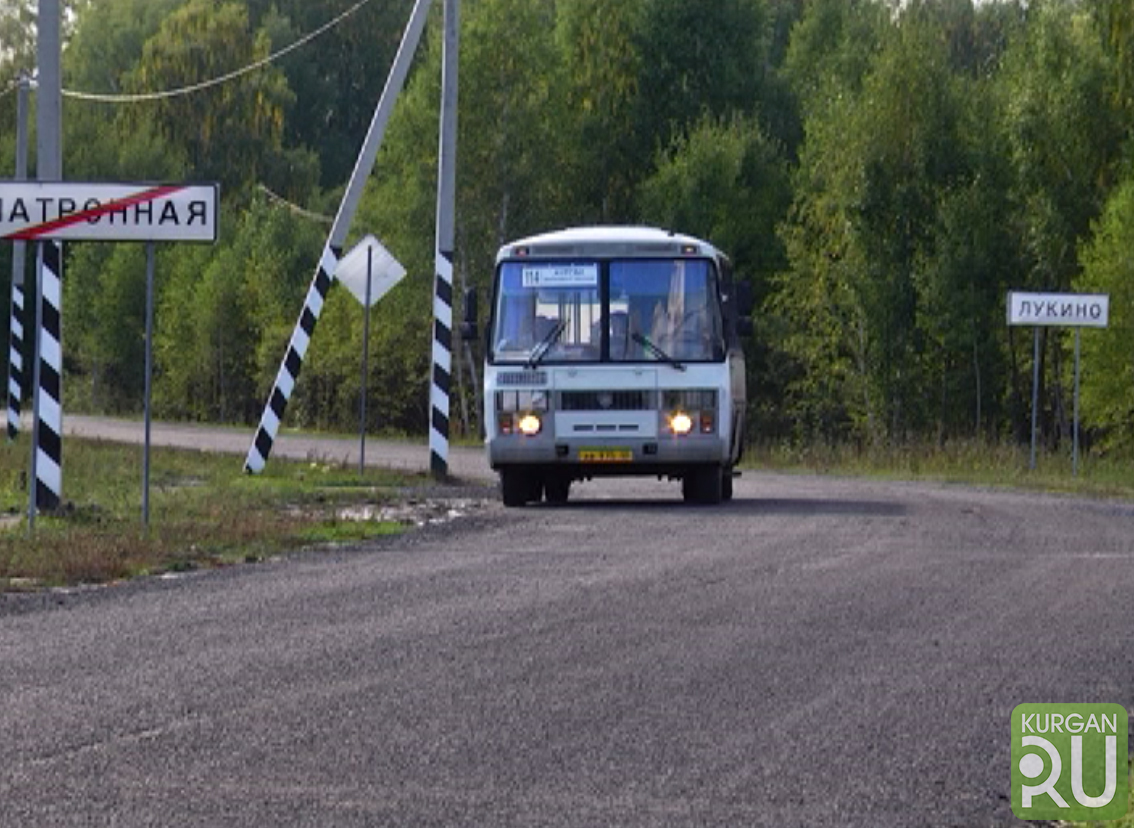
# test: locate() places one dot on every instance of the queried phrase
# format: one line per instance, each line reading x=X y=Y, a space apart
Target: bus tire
x=557 y=488
x=518 y=487
x=726 y=484
x=703 y=484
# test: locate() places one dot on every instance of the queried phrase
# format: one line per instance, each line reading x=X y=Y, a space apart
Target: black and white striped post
x=19 y=252
x=288 y=372
x=47 y=460
x=15 y=359
x=442 y=373
x=293 y=360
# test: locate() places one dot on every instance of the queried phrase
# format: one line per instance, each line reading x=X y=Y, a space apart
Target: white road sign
x=385 y=270
x=77 y=211
x=1078 y=310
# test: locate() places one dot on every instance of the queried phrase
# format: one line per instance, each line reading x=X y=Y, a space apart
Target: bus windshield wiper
x=544 y=345
x=656 y=351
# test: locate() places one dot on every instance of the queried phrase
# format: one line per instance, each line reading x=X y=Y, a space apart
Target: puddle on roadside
x=410 y=513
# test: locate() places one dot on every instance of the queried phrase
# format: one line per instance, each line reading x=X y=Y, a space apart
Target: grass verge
x=973 y=462
x=204 y=512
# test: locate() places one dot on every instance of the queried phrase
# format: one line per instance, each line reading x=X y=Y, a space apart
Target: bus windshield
x=625 y=310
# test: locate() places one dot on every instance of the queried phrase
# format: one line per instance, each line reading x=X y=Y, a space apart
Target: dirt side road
x=464 y=462
x=820 y=652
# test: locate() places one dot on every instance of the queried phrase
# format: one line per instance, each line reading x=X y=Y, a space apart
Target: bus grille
x=522 y=378
x=635 y=400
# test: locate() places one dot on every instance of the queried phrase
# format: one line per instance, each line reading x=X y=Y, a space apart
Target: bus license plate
x=605 y=455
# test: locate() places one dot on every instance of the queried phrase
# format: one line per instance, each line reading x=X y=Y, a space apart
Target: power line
x=198 y=87
x=295 y=208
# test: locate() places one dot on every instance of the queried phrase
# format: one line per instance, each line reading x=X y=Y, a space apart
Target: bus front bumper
x=608 y=456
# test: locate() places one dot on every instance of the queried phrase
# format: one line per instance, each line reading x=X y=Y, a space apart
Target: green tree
x=108 y=40
x=336 y=79
x=1116 y=19
x=18 y=34
x=601 y=70
x=697 y=58
x=871 y=177
x=1065 y=140
x=814 y=302
x=725 y=182
x=831 y=49
x=1108 y=356
x=1064 y=135
x=225 y=313
x=226 y=131
x=105 y=301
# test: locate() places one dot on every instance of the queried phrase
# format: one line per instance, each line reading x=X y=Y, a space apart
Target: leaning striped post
x=313 y=305
x=19 y=248
x=293 y=360
x=442 y=374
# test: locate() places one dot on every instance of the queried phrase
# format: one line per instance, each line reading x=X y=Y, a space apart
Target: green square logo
x=1069 y=761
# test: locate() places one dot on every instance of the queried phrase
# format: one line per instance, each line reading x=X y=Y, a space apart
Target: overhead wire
x=294 y=208
x=225 y=78
x=197 y=87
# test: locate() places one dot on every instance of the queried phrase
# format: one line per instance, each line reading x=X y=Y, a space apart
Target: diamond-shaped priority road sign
x=78 y=211
x=385 y=271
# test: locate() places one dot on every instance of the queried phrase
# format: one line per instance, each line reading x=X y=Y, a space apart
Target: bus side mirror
x=744 y=305
x=744 y=300
x=469 y=326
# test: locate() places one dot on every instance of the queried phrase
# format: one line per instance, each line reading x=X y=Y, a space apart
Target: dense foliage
x=882 y=172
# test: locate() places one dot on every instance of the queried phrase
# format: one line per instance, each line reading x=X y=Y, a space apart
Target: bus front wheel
x=519 y=487
x=557 y=488
x=704 y=484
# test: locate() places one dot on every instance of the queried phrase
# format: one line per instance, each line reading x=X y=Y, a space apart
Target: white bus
x=613 y=351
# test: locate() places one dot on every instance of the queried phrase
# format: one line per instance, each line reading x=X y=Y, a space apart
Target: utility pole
x=46 y=483
x=442 y=375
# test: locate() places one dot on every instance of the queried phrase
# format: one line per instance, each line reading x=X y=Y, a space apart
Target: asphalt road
x=819 y=652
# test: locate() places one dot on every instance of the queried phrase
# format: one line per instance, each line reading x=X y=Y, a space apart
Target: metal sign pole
x=37 y=328
x=1035 y=392
x=1078 y=310
x=149 y=383
x=1075 y=436
x=365 y=355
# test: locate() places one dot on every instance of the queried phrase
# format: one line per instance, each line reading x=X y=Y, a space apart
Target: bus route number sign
x=560 y=276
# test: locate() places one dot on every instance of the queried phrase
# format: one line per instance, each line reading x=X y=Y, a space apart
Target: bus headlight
x=530 y=425
x=521 y=412
x=680 y=423
x=689 y=411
